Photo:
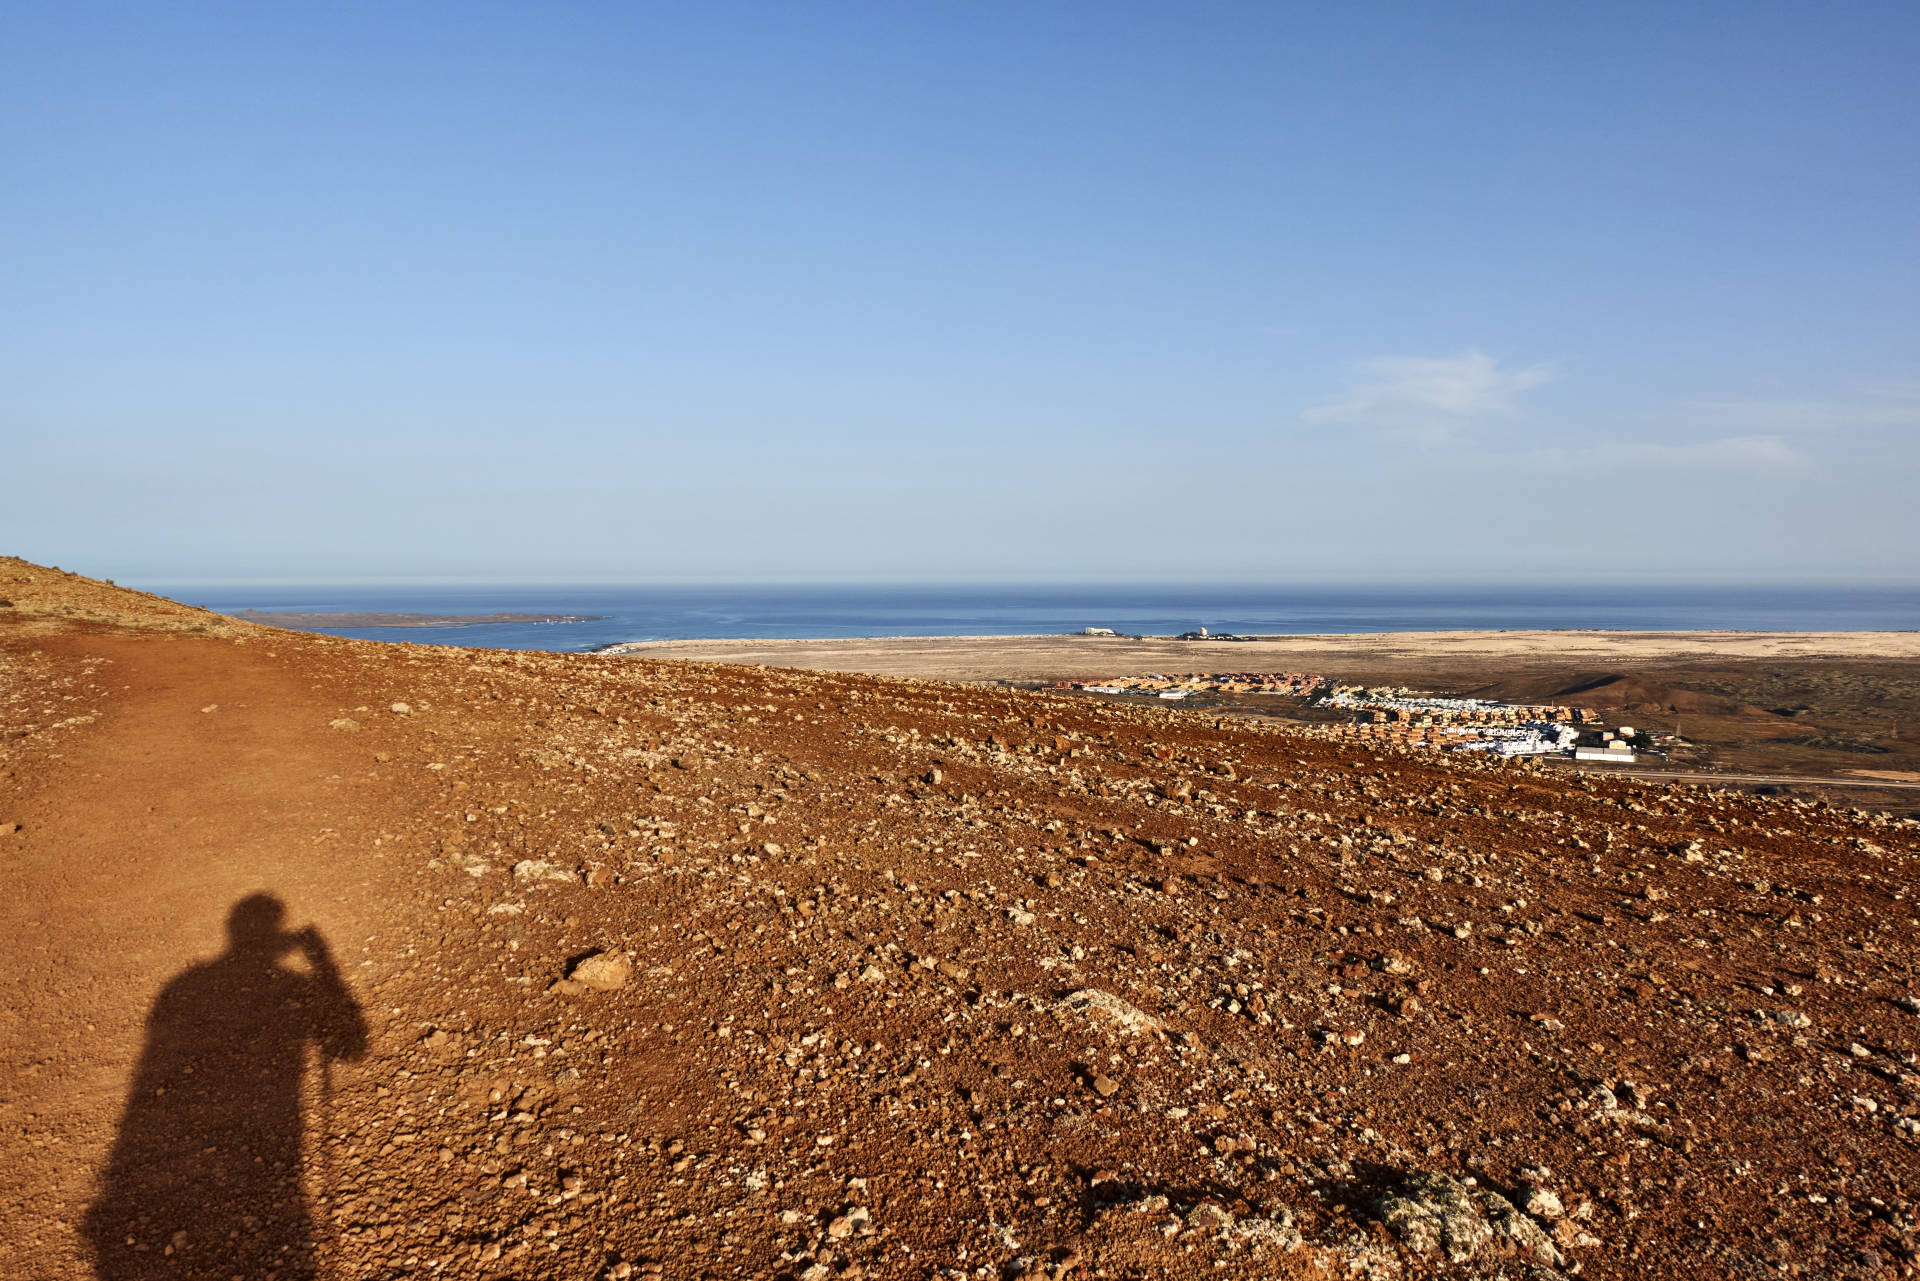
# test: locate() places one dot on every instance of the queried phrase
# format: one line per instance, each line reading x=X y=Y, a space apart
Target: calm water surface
x=757 y=613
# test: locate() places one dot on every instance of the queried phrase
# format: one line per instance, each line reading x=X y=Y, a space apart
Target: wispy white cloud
x=1429 y=396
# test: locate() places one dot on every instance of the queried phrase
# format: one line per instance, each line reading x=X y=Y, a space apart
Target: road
x=1798 y=780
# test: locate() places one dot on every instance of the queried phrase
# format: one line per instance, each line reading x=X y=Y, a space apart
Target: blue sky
x=945 y=292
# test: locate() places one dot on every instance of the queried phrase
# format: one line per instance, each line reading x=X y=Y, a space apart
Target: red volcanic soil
x=331 y=958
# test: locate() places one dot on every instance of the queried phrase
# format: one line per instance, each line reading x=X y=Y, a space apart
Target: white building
x=1614 y=755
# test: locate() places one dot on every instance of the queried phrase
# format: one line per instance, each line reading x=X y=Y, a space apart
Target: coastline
x=1782 y=705
x=977 y=658
x=299 y=621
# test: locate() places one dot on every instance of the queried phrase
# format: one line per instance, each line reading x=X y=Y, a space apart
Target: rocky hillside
x=43 y=597
x=712 y=971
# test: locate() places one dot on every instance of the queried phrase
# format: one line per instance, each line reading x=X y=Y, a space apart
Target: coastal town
x=1294 y=684
x=1400 y=716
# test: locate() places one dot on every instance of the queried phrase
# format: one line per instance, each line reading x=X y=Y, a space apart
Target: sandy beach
x=1775 y=703
x=979 y=658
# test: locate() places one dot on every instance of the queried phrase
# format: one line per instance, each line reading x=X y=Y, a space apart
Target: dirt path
x=706 y=973
x=166 y=816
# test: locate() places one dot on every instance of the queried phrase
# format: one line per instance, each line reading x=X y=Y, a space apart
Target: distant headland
x=298 y=621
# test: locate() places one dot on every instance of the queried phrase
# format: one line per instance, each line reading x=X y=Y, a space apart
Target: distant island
x=402 y=620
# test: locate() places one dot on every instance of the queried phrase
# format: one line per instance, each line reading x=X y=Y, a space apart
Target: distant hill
x=42 y=594
x=299 y=621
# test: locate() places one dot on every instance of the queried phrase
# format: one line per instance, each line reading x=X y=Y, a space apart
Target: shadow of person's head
x=256 y=926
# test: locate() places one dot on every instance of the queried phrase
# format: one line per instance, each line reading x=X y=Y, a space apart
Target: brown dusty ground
x=896 y=979
x=1836 y=705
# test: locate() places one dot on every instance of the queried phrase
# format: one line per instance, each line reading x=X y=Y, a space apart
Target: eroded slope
x=929 y=980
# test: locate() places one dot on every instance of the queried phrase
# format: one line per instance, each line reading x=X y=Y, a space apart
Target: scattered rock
x=1275 y=1230
x=1434 y=1214
x=1542 y=1204
x=854 y=1221
x=1535 y=1176
x=1521 y=1231
x=603 y=971
x=788 y=989
x=536 y=869
x=1110 y=1009
x=441 y=1044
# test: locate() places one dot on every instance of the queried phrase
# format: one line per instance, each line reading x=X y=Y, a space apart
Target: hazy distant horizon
x=159 y=584
x=815 y=611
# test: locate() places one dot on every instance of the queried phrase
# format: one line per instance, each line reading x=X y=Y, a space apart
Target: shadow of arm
x=341 y=1028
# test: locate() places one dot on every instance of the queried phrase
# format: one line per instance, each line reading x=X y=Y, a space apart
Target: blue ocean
x=803 y=612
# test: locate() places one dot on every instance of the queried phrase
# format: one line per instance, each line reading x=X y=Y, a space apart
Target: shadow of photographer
x=205 y=1174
